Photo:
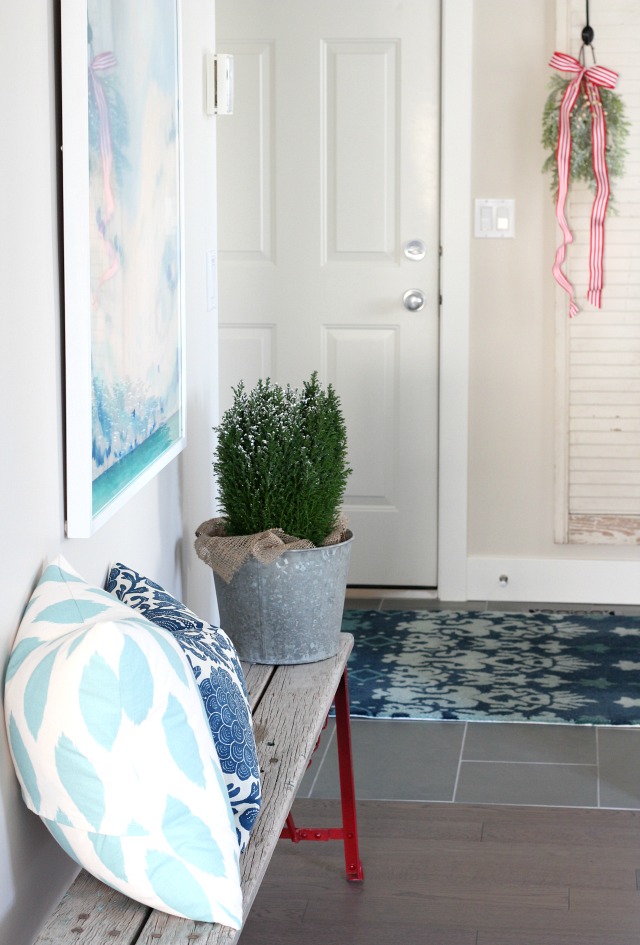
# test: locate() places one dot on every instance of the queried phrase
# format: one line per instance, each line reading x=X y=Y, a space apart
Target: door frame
x=455 y=238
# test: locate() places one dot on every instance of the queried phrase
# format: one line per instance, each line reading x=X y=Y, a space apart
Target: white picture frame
x=124 y=311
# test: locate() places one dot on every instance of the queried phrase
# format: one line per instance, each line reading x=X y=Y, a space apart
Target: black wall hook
x=587 y=35
x=587 y=32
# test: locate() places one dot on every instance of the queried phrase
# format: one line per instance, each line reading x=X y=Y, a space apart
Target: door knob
x=413 y=300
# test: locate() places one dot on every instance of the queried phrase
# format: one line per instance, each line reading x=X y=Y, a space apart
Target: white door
x=327 y=215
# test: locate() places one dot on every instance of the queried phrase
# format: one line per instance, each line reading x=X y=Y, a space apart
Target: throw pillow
x=215 y=665
x=112 y=750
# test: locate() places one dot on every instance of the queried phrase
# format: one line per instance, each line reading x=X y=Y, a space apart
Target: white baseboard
x=390 y=593
x=553 y=580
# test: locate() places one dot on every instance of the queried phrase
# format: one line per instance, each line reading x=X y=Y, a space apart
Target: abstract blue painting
x=132 y=294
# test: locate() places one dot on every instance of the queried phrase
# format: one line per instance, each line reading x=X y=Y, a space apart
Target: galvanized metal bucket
x=288 y=611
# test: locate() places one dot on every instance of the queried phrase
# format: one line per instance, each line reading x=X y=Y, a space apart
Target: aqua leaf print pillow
x=112 y=749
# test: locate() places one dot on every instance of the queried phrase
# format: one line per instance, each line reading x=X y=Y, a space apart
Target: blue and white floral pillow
x=219 y=676
x=112 y=750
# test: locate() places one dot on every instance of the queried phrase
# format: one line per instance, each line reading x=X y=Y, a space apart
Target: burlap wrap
x=226 y=553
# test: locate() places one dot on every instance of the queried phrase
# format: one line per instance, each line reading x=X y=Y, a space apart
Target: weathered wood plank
x=257 y=677
x=91 y=913
x=164 y=929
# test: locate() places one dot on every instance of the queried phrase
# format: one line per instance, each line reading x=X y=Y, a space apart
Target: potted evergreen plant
x=280 y=549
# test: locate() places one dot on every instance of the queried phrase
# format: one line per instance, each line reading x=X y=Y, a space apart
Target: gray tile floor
x=483 y=762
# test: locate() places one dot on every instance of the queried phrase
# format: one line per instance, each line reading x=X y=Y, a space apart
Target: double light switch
x=495 y=219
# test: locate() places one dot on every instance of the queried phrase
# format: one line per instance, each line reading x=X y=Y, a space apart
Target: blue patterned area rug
x=494 y=666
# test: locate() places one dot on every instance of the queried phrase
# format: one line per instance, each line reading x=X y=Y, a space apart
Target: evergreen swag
x=280 y=460
x=581 y=147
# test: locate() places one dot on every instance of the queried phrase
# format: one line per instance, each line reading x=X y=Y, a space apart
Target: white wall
x=512 y=335
x=154 y=531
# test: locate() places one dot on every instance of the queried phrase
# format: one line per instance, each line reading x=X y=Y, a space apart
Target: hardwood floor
x=456 y=874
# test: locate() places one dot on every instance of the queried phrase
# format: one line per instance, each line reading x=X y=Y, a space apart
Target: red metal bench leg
x=347 y=789
x=348 y=832
x=290 y=831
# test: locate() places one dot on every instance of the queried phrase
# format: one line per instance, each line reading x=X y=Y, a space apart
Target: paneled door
x=328 y=180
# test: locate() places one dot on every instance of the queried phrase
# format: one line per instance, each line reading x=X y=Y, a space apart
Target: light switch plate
x=495 y=218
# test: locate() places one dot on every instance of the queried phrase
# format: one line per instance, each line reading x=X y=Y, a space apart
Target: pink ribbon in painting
x=593 y=78
x=100 y=62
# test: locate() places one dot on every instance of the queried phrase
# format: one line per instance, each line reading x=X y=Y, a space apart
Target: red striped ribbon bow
x=593 y=78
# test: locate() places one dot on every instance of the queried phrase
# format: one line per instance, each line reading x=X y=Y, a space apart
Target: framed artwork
x=123 y=251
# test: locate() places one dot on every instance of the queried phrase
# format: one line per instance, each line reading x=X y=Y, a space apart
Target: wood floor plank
x=261 y=930
x=525 y=937
x=486 y=905
x=412 y=819
x=586 y=827
x=607 y=908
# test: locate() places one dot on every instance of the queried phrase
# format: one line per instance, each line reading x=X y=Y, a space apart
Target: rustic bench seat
x=290 y=705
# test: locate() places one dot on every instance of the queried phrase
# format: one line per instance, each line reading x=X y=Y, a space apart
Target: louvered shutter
x=598 y=449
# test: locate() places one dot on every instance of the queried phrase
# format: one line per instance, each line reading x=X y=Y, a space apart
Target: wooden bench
x=290 y=705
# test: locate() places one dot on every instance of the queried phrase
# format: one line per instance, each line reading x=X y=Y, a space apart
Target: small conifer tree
x=281 y=460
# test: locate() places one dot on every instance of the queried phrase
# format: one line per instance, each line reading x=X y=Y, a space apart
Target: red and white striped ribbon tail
x=599 y=209
x=593 y=77
x=563 y=158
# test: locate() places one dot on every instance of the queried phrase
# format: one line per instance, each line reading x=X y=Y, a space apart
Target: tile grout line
x=459 y=768
x=548 y=764
x=321 y=761
x=597 y=766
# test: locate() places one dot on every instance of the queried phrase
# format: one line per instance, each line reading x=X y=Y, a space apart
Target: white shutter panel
x=599 y=351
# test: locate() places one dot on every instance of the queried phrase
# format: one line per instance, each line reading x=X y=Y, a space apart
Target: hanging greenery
x=582 y=149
